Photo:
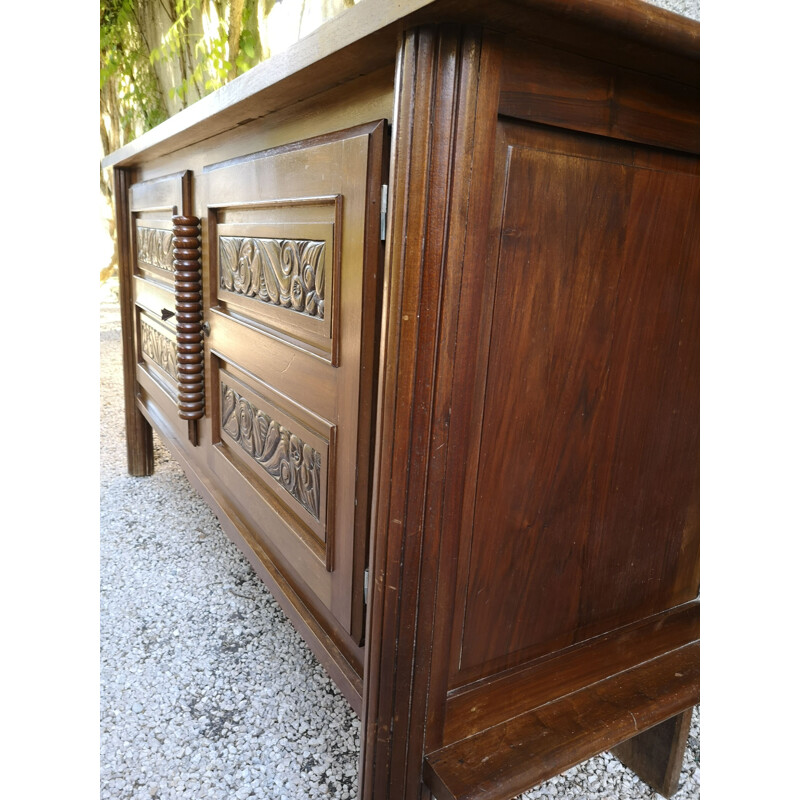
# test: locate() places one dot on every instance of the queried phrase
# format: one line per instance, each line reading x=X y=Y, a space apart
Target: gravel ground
x=207 y=691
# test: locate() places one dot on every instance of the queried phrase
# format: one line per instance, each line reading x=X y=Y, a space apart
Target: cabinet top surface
x=363 y=38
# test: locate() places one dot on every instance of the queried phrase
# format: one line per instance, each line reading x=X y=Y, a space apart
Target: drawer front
x=293 y=261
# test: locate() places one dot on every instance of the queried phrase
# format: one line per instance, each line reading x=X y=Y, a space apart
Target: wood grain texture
x=486 y=703
x=433 y=166
x=285 y=273
x=505 y=760
x=329 y=648
x=555 y=87
x=586 y=462
x=358 y=102
x=280 y=451
x=323 y=190
x=165 y=281
x=138 y=433
x=159 y=346
x=656 y=755
x=514 y=425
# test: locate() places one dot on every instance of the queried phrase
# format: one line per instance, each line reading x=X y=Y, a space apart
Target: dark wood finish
x=510 y=435
x=138 y=433
x=189 y=320
x=656 y=755
x=432 y=163
x=590 y=384
x=555 y=87
x=507 y=759
x=307 y=365
x=326 y=647
x=486 y=703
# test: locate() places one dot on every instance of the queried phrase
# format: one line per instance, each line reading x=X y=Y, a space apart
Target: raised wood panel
x=159 y=349
x=154 y=247
x=156 y=399
x=289 y=448
x=278 y=266
x=297 y=330
x=162 y=193
x=317 y=628
x=155 y=298
x=587 y=464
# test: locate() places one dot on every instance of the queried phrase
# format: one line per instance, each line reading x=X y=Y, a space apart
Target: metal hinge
x=366 y=586
x=384 y=209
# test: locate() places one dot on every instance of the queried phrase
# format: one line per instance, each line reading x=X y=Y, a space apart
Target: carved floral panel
x=294 y=464
x=289 y=273
x=154 y=247
x=158 y=347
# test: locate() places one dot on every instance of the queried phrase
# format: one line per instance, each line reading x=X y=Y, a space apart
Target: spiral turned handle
x=188 y=316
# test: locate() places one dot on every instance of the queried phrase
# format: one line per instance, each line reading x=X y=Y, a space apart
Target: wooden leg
x=656 y=755
x=140 y=444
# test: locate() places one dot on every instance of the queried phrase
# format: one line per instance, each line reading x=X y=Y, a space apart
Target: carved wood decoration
x=300 y=224
x=293 y=463
x=154 y=247
x=284 y=272
x=159 y=348
x=189 y=320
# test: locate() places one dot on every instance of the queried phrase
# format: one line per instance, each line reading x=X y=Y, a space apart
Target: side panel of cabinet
x=293 y=269
x=581 y=514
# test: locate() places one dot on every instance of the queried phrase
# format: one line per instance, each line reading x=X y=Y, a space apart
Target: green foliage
x=124 y=63
x=211 y=52
x=193 y=56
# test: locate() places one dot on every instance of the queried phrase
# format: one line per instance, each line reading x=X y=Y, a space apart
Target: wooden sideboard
x=416 y=306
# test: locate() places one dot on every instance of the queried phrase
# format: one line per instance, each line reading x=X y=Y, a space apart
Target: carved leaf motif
x=244 y=415
x=309 y=479
x=283 y=272
x=314 y=267
x=154 y=247
x=269 y=288
x=298 y=294
x=248 y=265
x=230 y=423
x=162 y=350
x=294 y=464
x=228 y=258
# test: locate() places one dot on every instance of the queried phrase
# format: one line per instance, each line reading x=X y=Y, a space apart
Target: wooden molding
x=189 y=319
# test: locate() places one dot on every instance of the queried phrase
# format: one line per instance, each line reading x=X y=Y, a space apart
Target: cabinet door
x=293 y=259
x=166 y=301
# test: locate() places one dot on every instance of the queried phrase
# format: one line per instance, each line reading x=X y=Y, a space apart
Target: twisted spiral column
x=189 y=319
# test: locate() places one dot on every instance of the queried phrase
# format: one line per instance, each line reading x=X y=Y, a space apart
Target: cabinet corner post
x=139 y=434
